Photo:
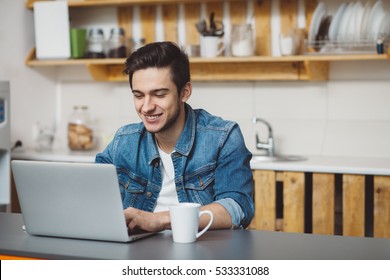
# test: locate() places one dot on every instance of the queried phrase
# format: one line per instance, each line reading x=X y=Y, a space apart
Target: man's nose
x=148 y=105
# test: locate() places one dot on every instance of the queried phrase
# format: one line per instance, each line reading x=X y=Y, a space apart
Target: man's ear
x=186 y=92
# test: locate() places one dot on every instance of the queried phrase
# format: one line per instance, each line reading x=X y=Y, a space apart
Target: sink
x=277 y=158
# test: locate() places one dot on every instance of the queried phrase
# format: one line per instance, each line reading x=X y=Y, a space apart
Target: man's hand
x=154 y=222
x=141 y=220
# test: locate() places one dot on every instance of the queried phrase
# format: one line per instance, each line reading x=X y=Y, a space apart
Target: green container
x=78 y=42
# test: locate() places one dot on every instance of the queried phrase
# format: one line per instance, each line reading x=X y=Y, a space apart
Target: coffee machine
x=5 y=143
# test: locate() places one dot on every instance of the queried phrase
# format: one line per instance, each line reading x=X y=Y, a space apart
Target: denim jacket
x=210 y=159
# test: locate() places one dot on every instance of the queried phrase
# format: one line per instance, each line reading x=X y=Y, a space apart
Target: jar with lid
x=95 y=43
x=117 y=43
x=80 y=130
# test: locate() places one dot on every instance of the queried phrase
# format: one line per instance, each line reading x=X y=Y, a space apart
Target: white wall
x=347 y=116
x=32 y=90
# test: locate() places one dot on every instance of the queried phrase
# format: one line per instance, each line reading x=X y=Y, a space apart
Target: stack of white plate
x=354 y=22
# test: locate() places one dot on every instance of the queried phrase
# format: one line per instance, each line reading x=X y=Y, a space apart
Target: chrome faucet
x=270 y=145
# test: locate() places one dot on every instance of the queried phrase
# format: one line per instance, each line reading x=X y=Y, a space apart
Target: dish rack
x=325 y=47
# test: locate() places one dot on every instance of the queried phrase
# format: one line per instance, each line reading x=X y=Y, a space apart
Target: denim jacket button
x=149 y=194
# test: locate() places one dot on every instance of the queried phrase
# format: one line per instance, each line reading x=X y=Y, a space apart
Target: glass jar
x=242 y=40
x=117 y=43
x=95 y=43
x=80 y=130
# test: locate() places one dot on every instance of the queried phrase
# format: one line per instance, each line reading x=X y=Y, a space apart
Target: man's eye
x=137 y=95
x=160 y=93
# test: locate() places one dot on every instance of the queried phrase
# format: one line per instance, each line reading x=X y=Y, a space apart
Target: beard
x=170 y=122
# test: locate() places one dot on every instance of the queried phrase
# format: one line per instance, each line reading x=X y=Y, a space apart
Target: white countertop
x=55 y=155
x=326 y=164
x=321 y=164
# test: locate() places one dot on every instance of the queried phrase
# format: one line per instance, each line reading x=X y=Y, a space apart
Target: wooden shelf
x=256 y=68
x=95 y=3
x=262 y=67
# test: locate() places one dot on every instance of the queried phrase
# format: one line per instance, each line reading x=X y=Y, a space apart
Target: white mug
x=286 y=45
x=185 y=222
x=211 y=46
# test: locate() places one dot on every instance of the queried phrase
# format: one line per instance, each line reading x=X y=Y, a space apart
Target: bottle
x=80 y=131
x=116 y=43
x=95 y=43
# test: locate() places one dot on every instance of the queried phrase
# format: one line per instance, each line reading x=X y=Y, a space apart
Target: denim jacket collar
x=186 y=139
x=152 y=147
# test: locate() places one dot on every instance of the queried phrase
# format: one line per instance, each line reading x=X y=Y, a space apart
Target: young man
x=177 y=154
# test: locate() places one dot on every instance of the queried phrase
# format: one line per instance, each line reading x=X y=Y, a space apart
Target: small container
x=379 y=46
x=242 y=40
x=80 y=130
x=117 y=43
x=95 y=43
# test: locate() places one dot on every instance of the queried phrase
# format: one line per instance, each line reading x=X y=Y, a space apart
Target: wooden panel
x=98 y=72
x=279 y=176
x=170 y=14
x=323 y=203
x=313 y=71
x=192 y=16
x=238 y=11
x=262 y=11
x=382 y=206
x=265 y=200
x=111 y=73
x=310 y=6
x=215 y=7
x=91 y=3
x=125 y=18
x=353 y=205
x=293 y=202
x=243 y=71
x=288 y=15
x=148 y=23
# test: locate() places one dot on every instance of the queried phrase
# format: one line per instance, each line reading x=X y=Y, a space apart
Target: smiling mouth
x=152 y=117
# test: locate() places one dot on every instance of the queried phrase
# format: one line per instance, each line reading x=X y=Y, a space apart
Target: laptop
x=71 y=200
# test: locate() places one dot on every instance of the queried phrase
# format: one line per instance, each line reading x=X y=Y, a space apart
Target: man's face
x=157 y=101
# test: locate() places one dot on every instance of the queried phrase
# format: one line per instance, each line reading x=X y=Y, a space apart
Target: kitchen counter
x=55 y=155
x=322 y=164
x=325 y=164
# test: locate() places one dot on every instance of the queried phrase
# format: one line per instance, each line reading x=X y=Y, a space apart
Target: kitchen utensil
x=215 y=28
x=212 y=24
x=201 y=26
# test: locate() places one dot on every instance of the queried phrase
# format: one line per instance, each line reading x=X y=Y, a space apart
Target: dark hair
x=160 y=54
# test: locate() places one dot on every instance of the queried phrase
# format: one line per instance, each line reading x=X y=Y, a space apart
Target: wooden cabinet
x=322 y=203
x=260 y=67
